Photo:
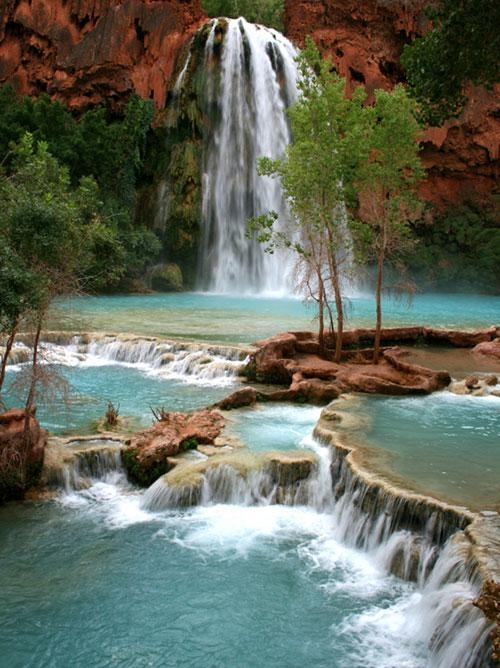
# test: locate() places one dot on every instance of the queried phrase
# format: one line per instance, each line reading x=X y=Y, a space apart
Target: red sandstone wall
x=365 y=39
x=84 y=51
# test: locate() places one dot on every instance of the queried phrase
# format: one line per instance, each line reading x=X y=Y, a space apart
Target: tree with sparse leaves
x=386 y=186
x=317 y=177
x=350 y=173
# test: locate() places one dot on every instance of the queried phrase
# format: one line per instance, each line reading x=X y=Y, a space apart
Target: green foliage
x=266 y=12
x=349 y=165
x=462 y=47
x=102 y=157
x=458 y=251
x=317 y=177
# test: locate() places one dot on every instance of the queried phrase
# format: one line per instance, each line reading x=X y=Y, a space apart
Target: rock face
x=365 y=39
x=85 y=52
x=146 y=455
x=20 y=464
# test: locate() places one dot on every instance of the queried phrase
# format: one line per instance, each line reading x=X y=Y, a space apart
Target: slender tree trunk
x=378 y=301
x=8 y=348
x=321 y=314
x=339 y=307
x=30 y=400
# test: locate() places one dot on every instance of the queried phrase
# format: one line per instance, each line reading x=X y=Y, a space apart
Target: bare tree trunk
x=378 y=301
x=8 y=348
x=340 y=312
x=30 y=400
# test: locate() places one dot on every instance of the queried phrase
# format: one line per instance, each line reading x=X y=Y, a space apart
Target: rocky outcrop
x=365 y=39
x=293 y=359
x=21 y=453
x=85 y=52
x=147 y=454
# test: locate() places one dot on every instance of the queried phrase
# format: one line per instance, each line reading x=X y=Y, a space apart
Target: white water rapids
x=430 y=625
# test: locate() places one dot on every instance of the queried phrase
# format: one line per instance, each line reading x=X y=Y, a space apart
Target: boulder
x=146 y=454
x=247 y=396
x=488 y=349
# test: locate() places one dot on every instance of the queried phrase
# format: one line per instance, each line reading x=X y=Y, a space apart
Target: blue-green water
x=92 y=580
x=133 y=391
x=442 y=444
x=273 y=426
x=245 y=319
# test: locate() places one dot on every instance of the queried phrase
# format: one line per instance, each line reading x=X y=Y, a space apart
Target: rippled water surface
x=245 y=319
x=442 y=444
x=93 y=580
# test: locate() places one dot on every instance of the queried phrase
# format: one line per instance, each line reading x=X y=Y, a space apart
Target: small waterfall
x=75 y=465
x=250 y=80
x=190 y=362
x=246 y=479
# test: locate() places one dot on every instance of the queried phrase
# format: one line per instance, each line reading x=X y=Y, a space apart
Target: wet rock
x=146 y=455
x=287 y=469
x=488 y=349
x=489 y=603
x=21 y=460
x=247 y=396
x=472 y=382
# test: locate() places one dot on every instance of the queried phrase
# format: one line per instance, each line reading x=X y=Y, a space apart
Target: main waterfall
x=250 y=79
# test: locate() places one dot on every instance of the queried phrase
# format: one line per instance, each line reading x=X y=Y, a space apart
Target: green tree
x=266 y=12
x=317 y=177
x=386 y=184
x=462 y=47
x=44 y=232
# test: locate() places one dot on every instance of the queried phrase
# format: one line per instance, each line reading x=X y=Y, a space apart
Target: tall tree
x=386 y=183
x=45 y=229
x=317 y=177
x=461 y=47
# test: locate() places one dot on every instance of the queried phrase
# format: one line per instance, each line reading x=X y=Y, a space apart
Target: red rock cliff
x=365 y=39
x=84 y=51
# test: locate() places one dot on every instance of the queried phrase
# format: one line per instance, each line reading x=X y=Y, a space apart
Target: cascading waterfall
x=247 y=96
x=422 y=543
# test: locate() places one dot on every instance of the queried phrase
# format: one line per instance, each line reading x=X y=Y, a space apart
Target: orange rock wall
x=87 y=51
x=365 y=39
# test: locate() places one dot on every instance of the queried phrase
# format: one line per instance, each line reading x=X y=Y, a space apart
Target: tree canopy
x=348 y=177
x=267 y=12
x=109 y=152
x=462 y=47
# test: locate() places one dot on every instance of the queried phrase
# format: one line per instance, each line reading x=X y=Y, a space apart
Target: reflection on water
x=245 y=319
